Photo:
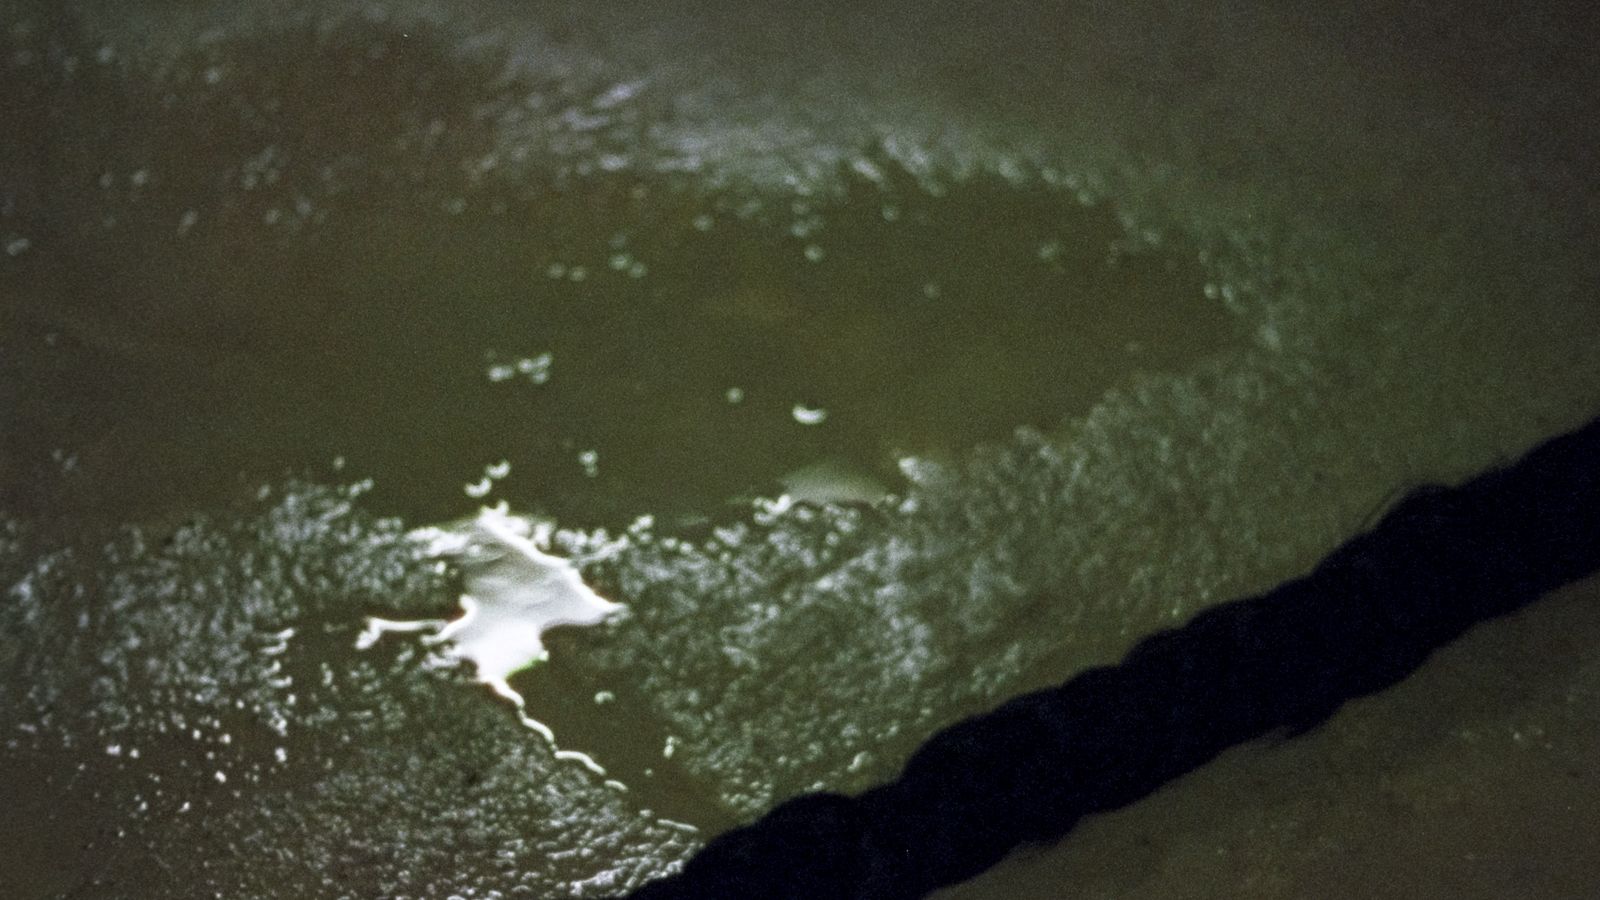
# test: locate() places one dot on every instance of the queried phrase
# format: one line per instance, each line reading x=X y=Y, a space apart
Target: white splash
x=513 y=593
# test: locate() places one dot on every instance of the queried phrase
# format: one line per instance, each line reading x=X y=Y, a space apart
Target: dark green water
x=1116 y=351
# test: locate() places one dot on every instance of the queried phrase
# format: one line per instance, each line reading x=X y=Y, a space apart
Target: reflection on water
x=198 y=728
x=513 y=592
x=244 y=267
x=1015 y=413
x=355 y=250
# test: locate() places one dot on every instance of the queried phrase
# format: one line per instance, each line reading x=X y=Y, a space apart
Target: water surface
x=1123 y=332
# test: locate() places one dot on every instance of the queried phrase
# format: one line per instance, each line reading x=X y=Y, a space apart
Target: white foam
x=514 y=592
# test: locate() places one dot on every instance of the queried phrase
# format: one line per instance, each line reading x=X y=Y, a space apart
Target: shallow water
x=1138 y=331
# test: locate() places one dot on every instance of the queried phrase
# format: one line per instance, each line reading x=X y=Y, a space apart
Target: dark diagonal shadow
x=1443 y=560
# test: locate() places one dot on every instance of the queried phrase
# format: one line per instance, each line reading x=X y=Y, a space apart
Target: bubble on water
x=590 y=461
x=808 y=415
x=536 y=368
x=867 y=169
x=620 y=93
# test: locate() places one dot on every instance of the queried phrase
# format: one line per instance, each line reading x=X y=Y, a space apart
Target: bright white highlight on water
x=513 y=592
x=377 y=628
x=491 y=473
x=535 y=368
x=279 y=644
x=806 y=415
x=590 y=460
x=833 y=481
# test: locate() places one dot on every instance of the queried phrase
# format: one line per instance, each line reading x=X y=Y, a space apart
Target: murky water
x=1062 y=337
x=336 y=266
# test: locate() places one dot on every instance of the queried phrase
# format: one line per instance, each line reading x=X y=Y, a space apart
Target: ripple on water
x=205 y=719
x=313 y=259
